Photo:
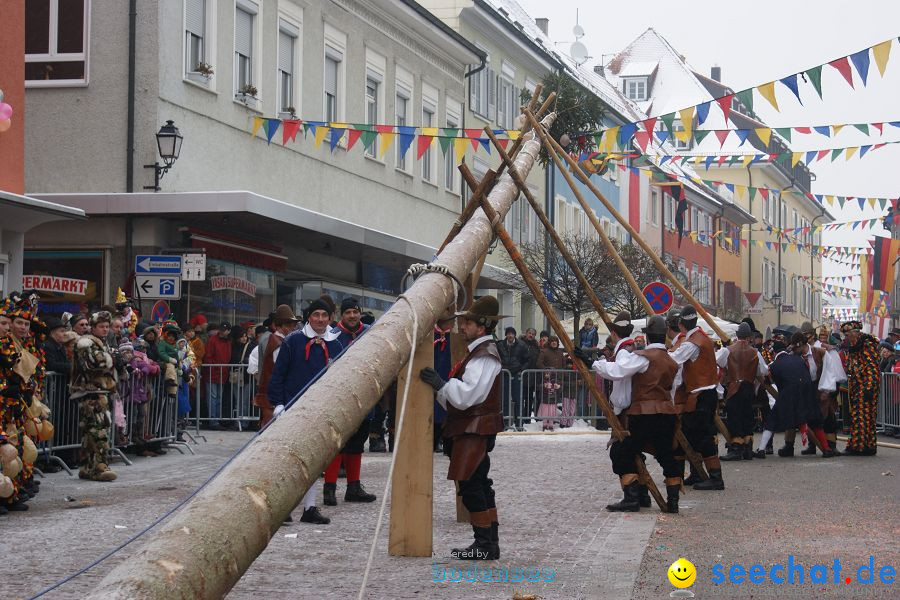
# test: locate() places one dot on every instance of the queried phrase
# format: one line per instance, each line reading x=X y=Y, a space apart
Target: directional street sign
x=154 y=287
x=659 y=295
x=159 y=265
x=194 y=267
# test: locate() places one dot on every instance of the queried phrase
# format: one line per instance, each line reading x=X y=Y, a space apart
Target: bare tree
x=562 y=287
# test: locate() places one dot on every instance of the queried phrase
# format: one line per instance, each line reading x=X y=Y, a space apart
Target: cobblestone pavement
x=551 y=491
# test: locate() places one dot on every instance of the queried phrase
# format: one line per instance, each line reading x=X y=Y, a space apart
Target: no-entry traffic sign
x=659 y=295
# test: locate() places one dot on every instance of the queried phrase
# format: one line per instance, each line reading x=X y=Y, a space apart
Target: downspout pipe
x=464 y=196
x=129 y=145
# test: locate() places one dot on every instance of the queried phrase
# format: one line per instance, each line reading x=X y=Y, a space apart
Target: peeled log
x=207 y=546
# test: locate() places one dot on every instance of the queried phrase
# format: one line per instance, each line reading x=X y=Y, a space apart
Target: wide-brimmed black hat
x=484 y=311
x=621 y=325
x=656 y=325
x=283 y=314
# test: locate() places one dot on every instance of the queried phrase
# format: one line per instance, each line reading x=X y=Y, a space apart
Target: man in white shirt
x=473 y=401
x=744 y=370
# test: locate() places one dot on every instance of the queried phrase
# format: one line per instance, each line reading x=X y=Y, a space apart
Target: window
x=454 y=112
x=654 y=208
x=194 y=34
x=694 y=224
x=376 y=66
x=402 y=103
x=636 y=89
x=245 y=15
x=483 y=92
x=429 y=108
x=333 y=99
x=287 y=43
x=679 y=144
x=507 y=101
x=704 y=279
x=56 y=42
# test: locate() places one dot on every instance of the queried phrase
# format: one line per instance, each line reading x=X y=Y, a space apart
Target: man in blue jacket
x=301 y=357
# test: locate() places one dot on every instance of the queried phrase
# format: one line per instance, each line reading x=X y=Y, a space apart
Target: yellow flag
x=882 y=51
x=795 y=158
x=459 y=148
x=830 y=200
x=851 y=151
x=765 y=134
x=793 y=246
x=872 y=202
x=747 y=159
x=609 y=139
x=767 y=91
x=836 y=129
x=386 y=140
x=257 y=123
x=321 y=132
x=513 y=134
x=740 y=190
x=430 y=131
x=687 y=121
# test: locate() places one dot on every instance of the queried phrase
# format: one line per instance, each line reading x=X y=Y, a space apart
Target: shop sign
x=787 y=308
x=50 y=283
x=225 y=282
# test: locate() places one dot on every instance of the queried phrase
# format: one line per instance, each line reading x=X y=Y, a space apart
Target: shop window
x=68 y=281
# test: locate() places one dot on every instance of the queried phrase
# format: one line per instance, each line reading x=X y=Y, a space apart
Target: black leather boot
x=810 y=450
x=631 y=502
x=495 y=538
x=481 y=549
x=356 y=493
x=312 y=515
x=672 y=492
x=747 y=451
x=787 y=450
x=693 y=478
x=735 y=452
x=330 y=495
x=644 y=496
x=714 y=482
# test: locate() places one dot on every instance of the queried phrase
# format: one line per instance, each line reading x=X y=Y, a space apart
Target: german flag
x=883 y=263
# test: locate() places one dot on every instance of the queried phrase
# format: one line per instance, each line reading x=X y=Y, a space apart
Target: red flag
x=879 y=127
x=843 y=67
x=725 y=104
x=804 y=130
x=422 y=145
x=504 y=142
x=352 y=137
x=883 y=259
x=822 y=154
x=649 y=124
x=289 y=128
x=722 y=135
x=642 y=138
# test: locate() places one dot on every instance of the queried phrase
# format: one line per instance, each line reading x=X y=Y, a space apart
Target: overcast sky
x=761 y=41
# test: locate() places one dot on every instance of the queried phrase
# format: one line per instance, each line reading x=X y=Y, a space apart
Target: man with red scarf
x=348 y=330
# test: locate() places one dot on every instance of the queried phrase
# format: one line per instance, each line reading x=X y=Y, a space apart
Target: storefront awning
x=271 y=219
x=22 y=213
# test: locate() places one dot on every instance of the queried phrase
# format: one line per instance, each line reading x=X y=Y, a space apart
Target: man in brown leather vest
x=472 y=399
x=284 y=322
x=696 y=354
x=650 y=418
x=744 y=369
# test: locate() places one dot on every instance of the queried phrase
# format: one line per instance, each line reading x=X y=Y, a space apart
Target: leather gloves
x=584 y=356
x=432 y=378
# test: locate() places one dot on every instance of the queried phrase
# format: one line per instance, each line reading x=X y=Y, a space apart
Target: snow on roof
x=638 y=69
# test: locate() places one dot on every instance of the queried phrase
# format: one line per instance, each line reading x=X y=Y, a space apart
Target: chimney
x=544 y=25
x=715 y=73
x=599 y=70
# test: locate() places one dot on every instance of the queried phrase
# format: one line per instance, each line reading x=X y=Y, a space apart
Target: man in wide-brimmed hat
x=284 y=322
x=697 y=356
x=472 y=399
x=744 y=369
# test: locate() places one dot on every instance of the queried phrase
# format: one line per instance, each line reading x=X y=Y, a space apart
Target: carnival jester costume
x=864 y=382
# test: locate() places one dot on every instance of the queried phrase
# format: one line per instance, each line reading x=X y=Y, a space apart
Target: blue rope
x=178 y=506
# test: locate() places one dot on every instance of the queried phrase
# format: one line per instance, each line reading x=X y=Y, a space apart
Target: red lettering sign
x=50 y=283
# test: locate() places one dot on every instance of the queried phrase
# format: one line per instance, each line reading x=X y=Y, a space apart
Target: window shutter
x=285 y=52
x=331 y=69
x=243 y=32
x=195 y=16
x=492 y=95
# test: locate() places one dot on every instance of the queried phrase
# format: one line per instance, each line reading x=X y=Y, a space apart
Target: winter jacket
x=218 y=352
x=57 y=358
x=294 y=367
x=513 y=357
x=168 y=354
x=93 y=368
x=551 y=359
x=531 y=346
x=588 y=338
x=199 y=349
x=134 y=389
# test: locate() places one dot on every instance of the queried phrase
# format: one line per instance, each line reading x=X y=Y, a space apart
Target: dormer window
x=636 y=88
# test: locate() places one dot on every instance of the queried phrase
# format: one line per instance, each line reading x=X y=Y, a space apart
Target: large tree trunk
x=206 y=547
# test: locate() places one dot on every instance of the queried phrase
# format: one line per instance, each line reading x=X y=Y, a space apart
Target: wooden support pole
x=488 y=182
x=635 y=288
x=587 y=375
x=695 y=459
x=556 y=150
x=412 y=484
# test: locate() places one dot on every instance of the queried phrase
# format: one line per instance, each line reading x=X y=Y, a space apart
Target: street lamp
x=168 y=140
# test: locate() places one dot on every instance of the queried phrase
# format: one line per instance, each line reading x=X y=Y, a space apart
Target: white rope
x=399 y=436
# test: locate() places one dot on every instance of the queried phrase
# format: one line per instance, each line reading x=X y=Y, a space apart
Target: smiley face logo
x=682 y=573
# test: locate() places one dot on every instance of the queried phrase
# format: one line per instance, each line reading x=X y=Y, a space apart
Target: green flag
x=862 y=127
x=815 y=76
x=699 y=134
x=784 y=132
x=746 y=98
x=446 y=139
x=668 y=120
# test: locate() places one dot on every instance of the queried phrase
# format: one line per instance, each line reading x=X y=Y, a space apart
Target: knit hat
x=348 y=303
x=197 y=320
x=744 y=331
x=317 y=304
x=53 y=323
x=126 y=346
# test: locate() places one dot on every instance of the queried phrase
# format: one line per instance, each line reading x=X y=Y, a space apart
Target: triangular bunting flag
x=352 y=136
x=662 y=136
x=725 y=104
x=702 y=112
x=642 y=138
x=649 y=124
x=791 y=83
x=861 y=62
x=784 y=132
x=667 y=120
x=851 y=151
x=257 y=123
x=835 y=153
x=864 y=149
x=336 y=134
x=843 y=67
x=271 y=127
x=836 y=129
x=448 y=133
x=764 y=134
x=722 y=135
x=862 y=127
x=824 y=130
x=700 y=134
x=321 y=132
x=882 y=52
x=289 y=129
x=815 y=77
x=626 y=132
x=368 y=138
x=746 y=98
x=387 y=138
x=422 y=145
x=687 y=120
x=407 y=135
x=459 y=148
x=767 y=91
x=742 y=134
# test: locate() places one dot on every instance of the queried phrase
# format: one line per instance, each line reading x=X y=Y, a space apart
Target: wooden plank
x=412 y=493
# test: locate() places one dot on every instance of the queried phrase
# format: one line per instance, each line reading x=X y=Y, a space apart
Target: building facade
x=285 y=221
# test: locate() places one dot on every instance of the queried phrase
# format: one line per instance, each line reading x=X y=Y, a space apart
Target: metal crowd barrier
x=64 y=416
x=224 y=393
x=555 y=397
x=888 y=419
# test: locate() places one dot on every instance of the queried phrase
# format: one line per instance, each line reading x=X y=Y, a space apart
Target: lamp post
x=168 y=141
